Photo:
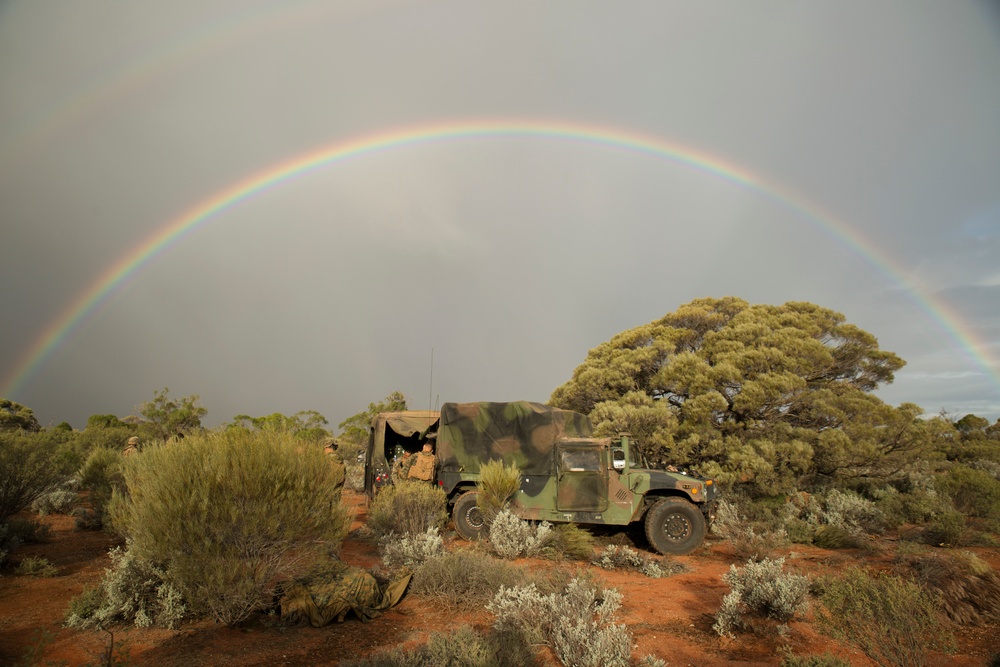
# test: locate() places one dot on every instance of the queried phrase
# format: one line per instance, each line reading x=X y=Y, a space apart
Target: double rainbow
x=175 y=230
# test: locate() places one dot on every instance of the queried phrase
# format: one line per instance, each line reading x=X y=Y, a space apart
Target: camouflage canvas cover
x=520 y=432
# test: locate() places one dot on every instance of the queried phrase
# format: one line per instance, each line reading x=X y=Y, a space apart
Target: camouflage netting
x=520 y=432
x=329 y=594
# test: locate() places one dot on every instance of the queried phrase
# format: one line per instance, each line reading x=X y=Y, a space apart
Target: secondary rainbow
x=175 y=230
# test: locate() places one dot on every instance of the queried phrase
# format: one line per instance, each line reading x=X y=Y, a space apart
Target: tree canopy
x=166 y=417
x=354 y=429
x=16 y=417
x=305 y=424
x=754 y=393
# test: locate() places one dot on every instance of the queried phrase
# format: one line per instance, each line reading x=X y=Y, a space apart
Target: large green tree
x=16 y=417
x=750 y=393
x=305 y=424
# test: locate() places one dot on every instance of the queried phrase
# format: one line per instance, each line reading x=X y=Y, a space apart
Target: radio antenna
x=430 y=388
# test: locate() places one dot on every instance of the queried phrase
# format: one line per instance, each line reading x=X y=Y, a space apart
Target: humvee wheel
x=675 y=526
x=468 y=519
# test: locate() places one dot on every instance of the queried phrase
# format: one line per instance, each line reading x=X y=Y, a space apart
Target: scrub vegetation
x=774 y=402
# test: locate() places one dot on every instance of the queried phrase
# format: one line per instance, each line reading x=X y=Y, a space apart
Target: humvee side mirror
x=618 y=459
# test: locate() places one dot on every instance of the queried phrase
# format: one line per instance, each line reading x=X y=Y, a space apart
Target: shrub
x=749 y=542
x=945 y=529
x=825 y=660
x=409 y=551
x=131 y=591
x=835 y=537
x=8 y=542
x=891 y=620
x=760 y=588
x=497 y=485
x=29 y=468
x=28 y=530
x=967 y=588
x=571 y=541
x=59 y=501
x=227 y=514
x=407 y=508
x=101 y=476
x=576 y=624
x=463 y=647
x=973 y=492
x=466 y=580
x=33 y=566
x=851 y=511
x=512 y=537
x=85 y=519
x=616 y=557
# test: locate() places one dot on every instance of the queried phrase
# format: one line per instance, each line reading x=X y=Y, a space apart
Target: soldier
x=423 y=469
x=132 y=446
x=402 y=466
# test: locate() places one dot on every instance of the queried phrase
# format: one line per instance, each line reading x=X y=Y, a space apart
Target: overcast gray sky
x=867 y=133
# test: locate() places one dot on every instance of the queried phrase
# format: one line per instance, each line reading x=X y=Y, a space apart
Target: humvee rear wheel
x=675 y=526
x=468 y=518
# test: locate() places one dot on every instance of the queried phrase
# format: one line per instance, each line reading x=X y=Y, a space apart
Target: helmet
x=134 y=440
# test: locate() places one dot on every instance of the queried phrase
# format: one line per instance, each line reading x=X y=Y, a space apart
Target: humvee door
x=581 y=478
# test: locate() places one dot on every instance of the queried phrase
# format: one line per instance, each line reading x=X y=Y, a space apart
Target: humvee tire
x=675 y=526
x=468 y=519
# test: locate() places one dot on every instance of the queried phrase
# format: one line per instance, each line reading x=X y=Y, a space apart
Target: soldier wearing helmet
x=132 y=446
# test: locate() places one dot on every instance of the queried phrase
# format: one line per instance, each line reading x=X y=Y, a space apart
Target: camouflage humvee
x=567 y=475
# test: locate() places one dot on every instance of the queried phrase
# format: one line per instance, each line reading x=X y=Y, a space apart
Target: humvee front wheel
x=469 y=521
x=675 y=526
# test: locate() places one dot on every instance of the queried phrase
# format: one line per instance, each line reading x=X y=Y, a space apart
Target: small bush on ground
x=835 y=537
x=407 y=508
x=465 y=579
x=974 y=492
x=229 y=514
x=28 y=530
x=760 y=589
x=33 y=566
x=946 y=529
x=825 y=660
x=60 y=501
x=967 y=588
x=497 y=485
x=29 y=468
x=511 y=537
x=571 y=541
x=750 y=540
x=131 y=591
x=577 y=624
x=890 y=619
x=86 y=519
x=101 y=476
x=410 y=551
x=615 y=557
x=463 y=647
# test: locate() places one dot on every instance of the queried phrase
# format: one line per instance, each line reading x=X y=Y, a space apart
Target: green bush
x=890 y=619
x=576 y=624
x=512 y=537
x=967 y=588
x=59 y=501
x=33 y=566
x=409 y=551
x=463 y=647
x=131 y=591
x=945 y=529
x=761 y=589
x=407 y=508
x=835 y=537
x=497 y=485
x=29 y=469
x=571 y=541
x=28 y=530
x=751 y=539
x=228 y=514
x=101 y=476
x=615 y=557
x=466 y=580
x=825 y=660
x=973 y=492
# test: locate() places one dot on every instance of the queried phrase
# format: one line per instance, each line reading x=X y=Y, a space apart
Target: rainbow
x=176 y=230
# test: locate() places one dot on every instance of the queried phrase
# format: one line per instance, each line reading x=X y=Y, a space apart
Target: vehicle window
x=578 y=460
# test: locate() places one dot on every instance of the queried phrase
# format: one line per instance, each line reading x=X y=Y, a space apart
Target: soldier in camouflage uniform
x=423 y=468
x=131 y=447
x=402 y=466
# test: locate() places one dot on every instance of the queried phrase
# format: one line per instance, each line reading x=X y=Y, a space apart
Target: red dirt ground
x=669 y=618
